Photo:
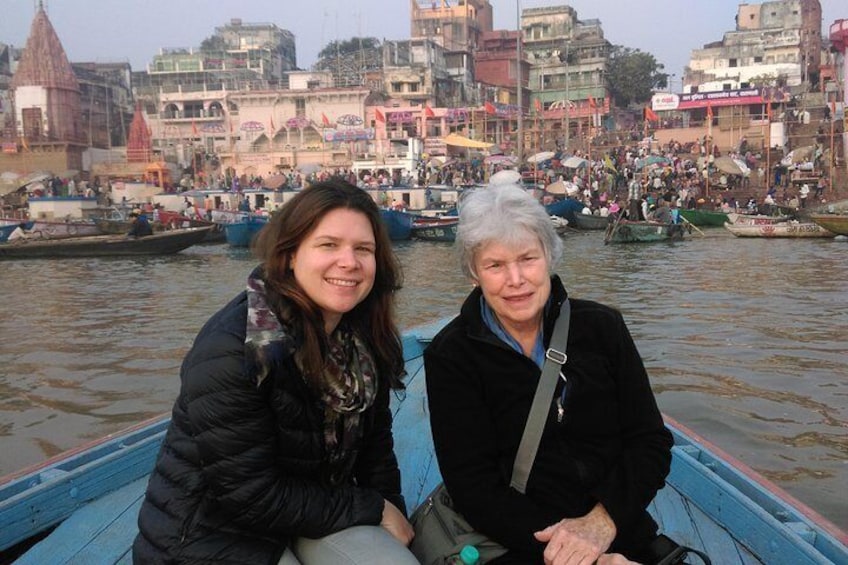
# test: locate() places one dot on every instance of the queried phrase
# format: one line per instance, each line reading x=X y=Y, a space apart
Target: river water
x=744 y=340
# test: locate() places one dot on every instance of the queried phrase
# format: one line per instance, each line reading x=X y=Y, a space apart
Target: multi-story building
x=457 y=27
x=106 y=100
x=775 y=42
x=239 y=55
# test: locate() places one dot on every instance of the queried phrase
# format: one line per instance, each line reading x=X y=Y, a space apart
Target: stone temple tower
x=45 y=90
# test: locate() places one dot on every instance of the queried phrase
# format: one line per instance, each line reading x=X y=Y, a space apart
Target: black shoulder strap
x=555 y=358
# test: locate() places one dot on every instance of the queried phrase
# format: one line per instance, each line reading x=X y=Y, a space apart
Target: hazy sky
x=134 y=30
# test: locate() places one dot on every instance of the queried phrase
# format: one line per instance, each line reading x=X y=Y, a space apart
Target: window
x=397 y=87
x=300 y=107
x=758 y=59
x=734 y=63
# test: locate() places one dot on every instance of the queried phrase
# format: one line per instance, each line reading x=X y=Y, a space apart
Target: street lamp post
x=519 y=147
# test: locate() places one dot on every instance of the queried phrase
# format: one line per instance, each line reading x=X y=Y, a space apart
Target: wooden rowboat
x=435 y=229
x=591 y=222
x=625 y=231
x=161 y=243
x=88 y=498
x=755 y=219
x=836 y=223
x=704 y=218
x=783 y=229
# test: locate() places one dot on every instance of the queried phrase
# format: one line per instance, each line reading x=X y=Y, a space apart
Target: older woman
x=604 y=452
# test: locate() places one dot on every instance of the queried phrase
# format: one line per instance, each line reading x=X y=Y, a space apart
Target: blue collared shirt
x=491 y=321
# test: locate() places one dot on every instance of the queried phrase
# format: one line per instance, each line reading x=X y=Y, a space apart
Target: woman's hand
x=581 y=541
x=614 y=559
x=396 y=523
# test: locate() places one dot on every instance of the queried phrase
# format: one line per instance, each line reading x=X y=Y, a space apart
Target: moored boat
x=704 y=218
x=398 y=223
x=435 y=229
x=590 y=222
x=782 y=229
x=162 y=243
x=836 y=223
x=84 y=503
x=241 y=234
x=625 y=231
x=755 y=219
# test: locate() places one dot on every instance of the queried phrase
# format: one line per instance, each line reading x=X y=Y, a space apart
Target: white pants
x=359 y=545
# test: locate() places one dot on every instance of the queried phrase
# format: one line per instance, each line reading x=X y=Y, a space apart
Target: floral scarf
x=346 y=388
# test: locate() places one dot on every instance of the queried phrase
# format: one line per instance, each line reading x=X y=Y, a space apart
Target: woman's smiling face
x=335 y=264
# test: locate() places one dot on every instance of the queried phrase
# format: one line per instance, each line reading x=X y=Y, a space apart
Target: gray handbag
x=440 y=531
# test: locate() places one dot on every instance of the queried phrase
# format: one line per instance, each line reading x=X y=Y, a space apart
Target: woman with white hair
x=604 y=451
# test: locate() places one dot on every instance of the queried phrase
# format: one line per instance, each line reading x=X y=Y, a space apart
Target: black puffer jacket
x=242 y=468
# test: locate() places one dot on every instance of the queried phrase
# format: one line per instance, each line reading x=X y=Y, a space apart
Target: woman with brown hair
x=280 y=445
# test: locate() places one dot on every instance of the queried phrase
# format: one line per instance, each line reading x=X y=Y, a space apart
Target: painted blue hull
x=710 y=501
x=240 y=234
x=6 y=231
x=398 y=223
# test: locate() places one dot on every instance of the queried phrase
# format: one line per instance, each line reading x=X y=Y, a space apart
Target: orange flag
x=650 y=115
x=538 y=104
x=325 y=120
x=273 y=129
x=428 y=111
x=593 y=104
x=709 y=112
x=379 y=115
x=193 y=128
x=490 y=108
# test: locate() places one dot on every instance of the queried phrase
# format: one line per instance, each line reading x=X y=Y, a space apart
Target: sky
x=135 y=30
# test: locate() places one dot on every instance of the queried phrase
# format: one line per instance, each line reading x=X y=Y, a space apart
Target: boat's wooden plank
x=100 y=532
x=413 y=442
x=677 y=522
x=717 y=542
x=753 y=526
x=49 y=503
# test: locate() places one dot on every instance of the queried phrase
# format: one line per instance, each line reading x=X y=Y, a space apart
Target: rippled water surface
x=744 y=341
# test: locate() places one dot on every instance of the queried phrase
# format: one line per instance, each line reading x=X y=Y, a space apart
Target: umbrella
x=275 y=181
x=801 y=154
x=562 y=187
x=743 y=166
x=33 y=177
x=309 y=168
x=9 y=176
x=653 y=160
x=727 y=165
x=541 y=157
x=574 y=162
x=507 y=176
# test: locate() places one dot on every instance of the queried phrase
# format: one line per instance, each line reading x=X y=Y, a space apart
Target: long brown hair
x=373 y=318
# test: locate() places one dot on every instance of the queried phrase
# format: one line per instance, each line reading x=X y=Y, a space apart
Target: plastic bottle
x=468 y=556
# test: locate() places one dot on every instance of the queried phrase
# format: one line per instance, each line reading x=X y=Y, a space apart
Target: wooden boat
x=6 y=230
x=435 y=229
x=61 y=228
x=590 y=222
x=625 y=231
x=240 y=234
x=704 y=218
x=782 y=229
x=399 y=223
x=835 y=223
x=162 y=243
x=175 y=220
x=88 y=498
x=755 y=219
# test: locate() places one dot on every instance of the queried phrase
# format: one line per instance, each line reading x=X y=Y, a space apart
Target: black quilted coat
x=242 y=469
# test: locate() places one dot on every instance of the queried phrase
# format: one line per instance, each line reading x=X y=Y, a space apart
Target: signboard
x=333 y=135
x=400 y=117
x=720 y=98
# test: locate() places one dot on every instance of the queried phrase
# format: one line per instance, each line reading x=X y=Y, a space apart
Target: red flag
x=231 y=126
x=538 y=104
x=593 y=104
x=193 y=128
x=273 y=129
x=768 y=110
x=379 y=115
x=325 y=120
x=709 y=112
x=650 y=115
x=490 y=108
x=428 y=111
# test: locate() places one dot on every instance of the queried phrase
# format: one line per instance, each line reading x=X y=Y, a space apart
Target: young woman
x=280 y=444
x=604 y=451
